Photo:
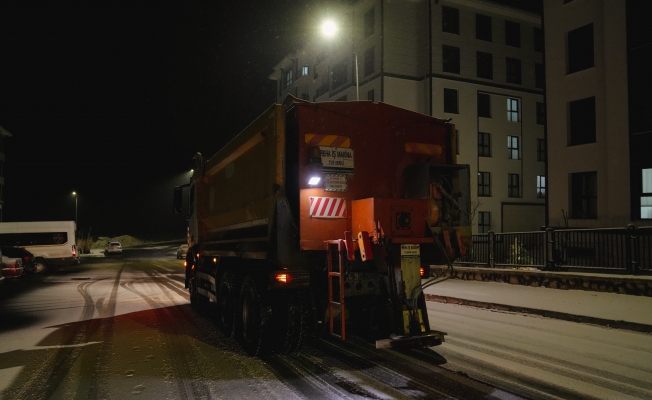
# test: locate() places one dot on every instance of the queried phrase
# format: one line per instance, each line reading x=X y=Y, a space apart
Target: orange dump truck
x=325 y=217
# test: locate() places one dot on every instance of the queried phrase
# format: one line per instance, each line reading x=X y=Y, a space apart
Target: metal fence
x=621 y=250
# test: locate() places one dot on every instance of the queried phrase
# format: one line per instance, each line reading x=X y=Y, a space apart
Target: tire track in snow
x=187 y=387
x=55 y=367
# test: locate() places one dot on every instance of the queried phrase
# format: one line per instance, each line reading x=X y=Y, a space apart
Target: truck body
x=52 y=243
x=325 y=216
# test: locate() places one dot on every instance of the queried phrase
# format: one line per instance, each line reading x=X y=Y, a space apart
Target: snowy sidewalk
x=588 y=306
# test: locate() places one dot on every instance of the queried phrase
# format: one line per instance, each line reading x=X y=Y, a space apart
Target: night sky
x=112 y=100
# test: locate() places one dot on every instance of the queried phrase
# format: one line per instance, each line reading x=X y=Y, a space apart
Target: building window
x=289 y=75
x=370 y=95
x=450 y=101
x=485 y=65
x=369 y=22
x=305 y=70
x=513 y=70
x=646 y=194
x=484 y=184
x=512 y=34
x=512 y=110
x=484 y=144
x=582 y=121
x=538 y=40
x=484 y=221
x=369 y=61
x=539 y=76
x=584 y=195
x=484 y=105
x=580 y=48
x=541 y=113
x=482 y=27
x=451 y=59
x=541 y=186
x=450 y=20
x=339 y=74
x=513 y=185
x=513 y=151
x=541 y=150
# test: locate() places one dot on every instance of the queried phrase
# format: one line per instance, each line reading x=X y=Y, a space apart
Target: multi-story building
x=476 y=62
x=3 y=134
x=599 y=112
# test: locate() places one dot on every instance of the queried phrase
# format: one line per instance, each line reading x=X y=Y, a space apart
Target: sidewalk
x=606 y=309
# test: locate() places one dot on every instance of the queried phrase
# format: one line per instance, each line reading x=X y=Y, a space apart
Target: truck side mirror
x=177 y=206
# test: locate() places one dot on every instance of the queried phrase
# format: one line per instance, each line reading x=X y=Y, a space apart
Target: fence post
x=550 y=249
x=632 y=249
x=491 y=249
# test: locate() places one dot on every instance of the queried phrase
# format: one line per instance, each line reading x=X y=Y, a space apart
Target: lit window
x=513 y=151
x=304 y=70
x=288 y=78
x=646 y=195
x=541 y=186
x=512 y=110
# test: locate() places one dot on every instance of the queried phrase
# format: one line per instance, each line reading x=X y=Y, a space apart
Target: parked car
x=113 y=248
x=29 y=263
x=182 y=250
x=12 y=267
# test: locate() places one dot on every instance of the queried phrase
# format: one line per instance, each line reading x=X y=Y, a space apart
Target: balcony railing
x=616 y=250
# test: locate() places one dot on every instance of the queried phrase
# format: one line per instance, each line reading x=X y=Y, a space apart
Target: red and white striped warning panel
x=327 y=207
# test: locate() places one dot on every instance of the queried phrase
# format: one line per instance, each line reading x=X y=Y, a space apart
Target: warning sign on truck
x=410 y=251
x=336 y=160
x=335 y=183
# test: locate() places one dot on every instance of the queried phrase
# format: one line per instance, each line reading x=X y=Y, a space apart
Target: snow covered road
x=122 y=327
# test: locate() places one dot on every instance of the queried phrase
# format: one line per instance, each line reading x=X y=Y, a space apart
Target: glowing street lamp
x=329 y=29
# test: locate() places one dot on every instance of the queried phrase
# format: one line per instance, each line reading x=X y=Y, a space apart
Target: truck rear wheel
x=297 y=321
x=226 y=301
x=252 y=335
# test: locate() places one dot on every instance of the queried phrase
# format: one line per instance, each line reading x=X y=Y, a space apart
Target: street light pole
x=75 y=194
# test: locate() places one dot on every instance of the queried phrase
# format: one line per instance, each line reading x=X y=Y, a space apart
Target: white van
x=53 y=243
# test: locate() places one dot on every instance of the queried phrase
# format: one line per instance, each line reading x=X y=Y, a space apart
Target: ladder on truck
x=337 y=255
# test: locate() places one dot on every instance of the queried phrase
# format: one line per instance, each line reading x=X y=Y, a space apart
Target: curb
x=617 y=324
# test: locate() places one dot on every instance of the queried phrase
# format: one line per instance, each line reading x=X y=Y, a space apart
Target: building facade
x=476 y=62
x=599 y=112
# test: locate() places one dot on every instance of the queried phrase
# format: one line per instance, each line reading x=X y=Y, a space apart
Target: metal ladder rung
x=341 y=254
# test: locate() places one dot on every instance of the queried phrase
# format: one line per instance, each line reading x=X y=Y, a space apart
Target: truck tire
x=252 y=335
x=226 y=301
x=297 y=321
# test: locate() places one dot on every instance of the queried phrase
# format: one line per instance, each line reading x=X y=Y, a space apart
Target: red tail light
x=422 y=271
x=74 y=250
x=283 y=278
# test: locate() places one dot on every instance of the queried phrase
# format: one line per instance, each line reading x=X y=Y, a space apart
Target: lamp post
x=329 y=29
x=75 y=194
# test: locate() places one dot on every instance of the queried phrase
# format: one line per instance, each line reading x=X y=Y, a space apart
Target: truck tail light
x=283 y=278
x=185 y=263
x=422 y=271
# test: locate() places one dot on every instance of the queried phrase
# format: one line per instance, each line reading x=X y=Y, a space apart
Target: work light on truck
x=314 y=180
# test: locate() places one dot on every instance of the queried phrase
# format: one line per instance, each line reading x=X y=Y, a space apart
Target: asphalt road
x=121 y=326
